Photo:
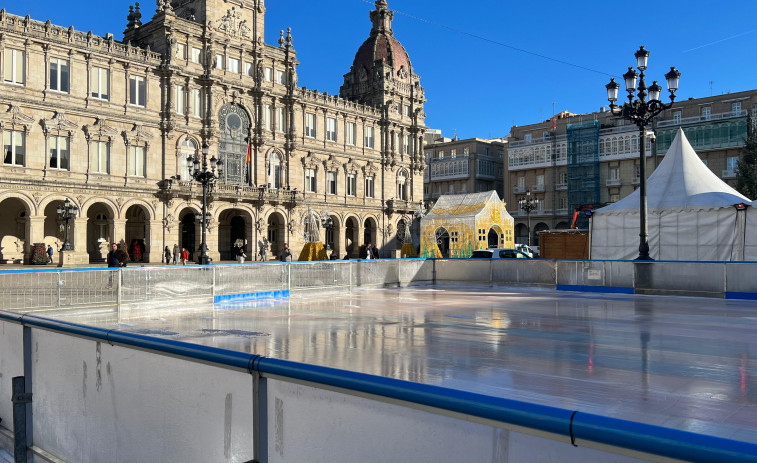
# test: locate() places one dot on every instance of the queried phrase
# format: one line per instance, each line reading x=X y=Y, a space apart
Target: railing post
x=60 y=282
x=19 y=398
x=213 y=284
x=259 y=418
x=119 y=296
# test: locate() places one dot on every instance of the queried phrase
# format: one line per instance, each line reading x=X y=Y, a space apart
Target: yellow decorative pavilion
x=459 y=224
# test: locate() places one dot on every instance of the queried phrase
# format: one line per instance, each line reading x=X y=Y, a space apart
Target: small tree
x=746 y=173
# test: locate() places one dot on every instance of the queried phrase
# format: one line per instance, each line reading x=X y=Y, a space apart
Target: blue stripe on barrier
x=255 y=296
x=740 y=295
x=595 y=289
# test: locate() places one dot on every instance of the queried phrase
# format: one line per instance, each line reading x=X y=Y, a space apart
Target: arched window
x=402 y=185
x=187 y=148
x=234 y=126
x=274 y=171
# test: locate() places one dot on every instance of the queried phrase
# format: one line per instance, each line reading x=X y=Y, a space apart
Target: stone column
x=340 y=241
x=118 y=231
x=154 y=243
x=213 y=241
x=35 y=233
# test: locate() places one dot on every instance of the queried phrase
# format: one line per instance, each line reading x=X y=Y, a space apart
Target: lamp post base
x=203 y=260
x=72 y=258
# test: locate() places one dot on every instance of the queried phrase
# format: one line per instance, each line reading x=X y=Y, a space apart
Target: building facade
x=593 y=159
x=473 y=165
x=109 y=125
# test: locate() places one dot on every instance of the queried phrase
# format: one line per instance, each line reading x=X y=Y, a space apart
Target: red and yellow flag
x=249 y=153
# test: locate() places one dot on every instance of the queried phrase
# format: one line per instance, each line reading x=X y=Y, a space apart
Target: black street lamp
x=67 y=212
x=528 y=204
x=206 y=174
x=641 y=112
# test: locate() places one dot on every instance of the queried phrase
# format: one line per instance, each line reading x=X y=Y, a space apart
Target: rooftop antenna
x=553 y=108
x=710 y=88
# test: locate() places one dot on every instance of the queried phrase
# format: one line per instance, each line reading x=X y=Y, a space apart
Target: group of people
x=177 y=255
x=118 y=258
x=369 y=252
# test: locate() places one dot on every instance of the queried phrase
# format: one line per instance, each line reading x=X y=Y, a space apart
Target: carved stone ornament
x=100 y=130
x=169 y=222
x=402 y=73
x=164 y=6
x=350 y=166
x=233 y=25
x=137 y=135
x=58 y=124
x=331 y=164
x=120 y=201
x=369 y=169
x=37 y=196
x=311 y=160
x=14 y=118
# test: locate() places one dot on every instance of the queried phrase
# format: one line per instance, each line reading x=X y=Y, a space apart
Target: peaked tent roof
x=681 y=182
x=463 y=205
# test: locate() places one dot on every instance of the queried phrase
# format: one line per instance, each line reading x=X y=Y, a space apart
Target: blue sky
x=489 y=64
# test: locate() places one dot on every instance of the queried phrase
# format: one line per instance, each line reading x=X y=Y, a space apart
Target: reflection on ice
x=680 y=362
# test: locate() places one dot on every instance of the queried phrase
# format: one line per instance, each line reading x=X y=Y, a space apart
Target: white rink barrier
x=169 y=287
x=103 y=395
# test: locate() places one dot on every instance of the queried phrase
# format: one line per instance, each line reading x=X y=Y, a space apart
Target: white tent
x=691 y=215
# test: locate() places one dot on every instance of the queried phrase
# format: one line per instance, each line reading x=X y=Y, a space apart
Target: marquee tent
x=691 y=215
x=459 y=224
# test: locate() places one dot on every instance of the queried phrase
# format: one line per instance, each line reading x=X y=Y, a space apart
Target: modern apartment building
x=455 y=166
x=580 y=159
x=108 y=125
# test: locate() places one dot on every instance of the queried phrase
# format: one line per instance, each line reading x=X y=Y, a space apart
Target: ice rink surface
x=680 y=362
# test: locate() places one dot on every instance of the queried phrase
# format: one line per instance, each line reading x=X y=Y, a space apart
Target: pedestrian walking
x=241 y=255
x=368 y=251
x=50 y=253
x=262 y=253
x=184 y=256
x=167 y=255
x=286 y=254
x=176 y=254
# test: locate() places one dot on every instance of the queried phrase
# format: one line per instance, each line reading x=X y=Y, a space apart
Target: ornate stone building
x=109 y=125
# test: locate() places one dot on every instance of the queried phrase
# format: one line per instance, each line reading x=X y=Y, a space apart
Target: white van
x=527 y=250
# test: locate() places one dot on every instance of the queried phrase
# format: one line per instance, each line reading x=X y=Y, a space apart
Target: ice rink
x=679 y=362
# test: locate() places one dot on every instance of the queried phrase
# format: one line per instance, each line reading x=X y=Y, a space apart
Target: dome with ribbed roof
x=382 y=45
x=381 y=72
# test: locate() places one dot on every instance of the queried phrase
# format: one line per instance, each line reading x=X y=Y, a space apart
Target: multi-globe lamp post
x=528 y=204
x=206 y=174
x=641 y=111
x=67 y=212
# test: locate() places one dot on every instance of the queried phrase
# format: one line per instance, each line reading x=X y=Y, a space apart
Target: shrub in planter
x=39 y=254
